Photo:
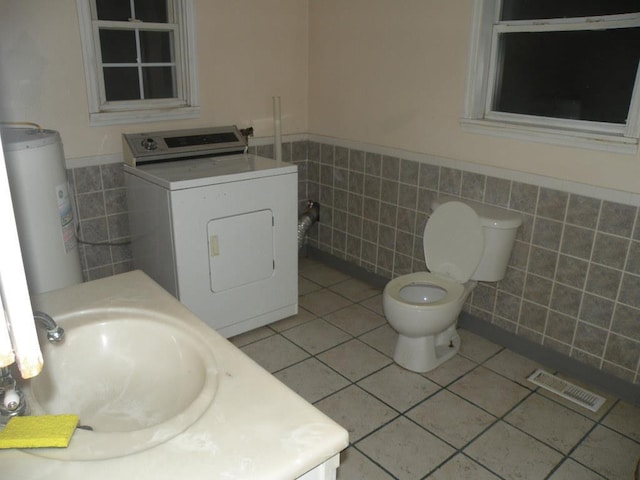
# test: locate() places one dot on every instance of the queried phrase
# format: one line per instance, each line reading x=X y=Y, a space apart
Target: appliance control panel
x=171 y=145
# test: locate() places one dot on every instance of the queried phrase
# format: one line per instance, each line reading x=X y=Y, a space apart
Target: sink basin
x=136 y=378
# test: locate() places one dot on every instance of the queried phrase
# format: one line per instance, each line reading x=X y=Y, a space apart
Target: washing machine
x=214 y=225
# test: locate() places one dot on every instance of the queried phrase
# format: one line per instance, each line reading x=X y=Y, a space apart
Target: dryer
x=214 y=225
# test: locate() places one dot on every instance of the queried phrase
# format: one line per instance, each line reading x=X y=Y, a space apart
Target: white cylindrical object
x=277 y=128
x=11 y=399
x=42 y=205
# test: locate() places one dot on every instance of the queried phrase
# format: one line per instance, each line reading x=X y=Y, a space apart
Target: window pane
x=584 y=75
x=151 y=10
x=121 y=83
x=117 y=10
x=118 y=46
x=530 y=9
x=156 y=46
x=159 y=82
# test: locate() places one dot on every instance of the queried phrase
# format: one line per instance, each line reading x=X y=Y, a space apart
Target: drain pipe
x=306 y=220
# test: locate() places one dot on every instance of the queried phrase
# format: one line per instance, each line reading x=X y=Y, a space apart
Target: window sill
x=570 y=138
x=142 y=116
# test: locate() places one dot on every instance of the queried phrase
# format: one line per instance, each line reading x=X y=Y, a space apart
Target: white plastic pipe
x=11 y=399
x=277 y=128
x=19 y=325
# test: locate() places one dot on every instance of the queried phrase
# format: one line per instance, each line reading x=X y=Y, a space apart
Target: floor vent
x=567 y=390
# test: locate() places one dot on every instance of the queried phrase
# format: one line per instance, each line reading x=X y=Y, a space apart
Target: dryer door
x=240 y=249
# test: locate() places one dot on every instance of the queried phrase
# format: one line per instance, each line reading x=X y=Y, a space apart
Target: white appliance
x=42 y=206
x=216 y=228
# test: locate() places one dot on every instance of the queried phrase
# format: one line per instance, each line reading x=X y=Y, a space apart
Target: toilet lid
x=453 y=241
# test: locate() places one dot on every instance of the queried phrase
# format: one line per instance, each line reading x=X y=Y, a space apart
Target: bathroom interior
x=372 y=103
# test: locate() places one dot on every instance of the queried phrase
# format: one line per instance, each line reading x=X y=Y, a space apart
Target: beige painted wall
x=384 y=72
x=249 y=51
x=392 y=73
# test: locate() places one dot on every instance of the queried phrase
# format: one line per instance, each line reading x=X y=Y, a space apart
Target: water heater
x=42 y=206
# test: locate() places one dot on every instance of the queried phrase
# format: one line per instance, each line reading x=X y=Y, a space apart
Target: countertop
x=256 y=427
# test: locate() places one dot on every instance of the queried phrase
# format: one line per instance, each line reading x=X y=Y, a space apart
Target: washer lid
x=453 y=241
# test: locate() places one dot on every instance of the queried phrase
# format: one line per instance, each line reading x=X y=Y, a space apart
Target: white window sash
x=181 y=94
x=482 y=76
x=185 y=105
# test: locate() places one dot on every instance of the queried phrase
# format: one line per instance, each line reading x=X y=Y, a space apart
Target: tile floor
x=474 y=417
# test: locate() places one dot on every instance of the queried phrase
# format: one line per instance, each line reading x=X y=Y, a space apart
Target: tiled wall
x=573 y=283
x=101 y=213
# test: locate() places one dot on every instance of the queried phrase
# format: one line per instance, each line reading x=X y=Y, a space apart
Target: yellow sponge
x=38 y=431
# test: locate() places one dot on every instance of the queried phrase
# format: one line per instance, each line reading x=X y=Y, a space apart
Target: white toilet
x=463 y=242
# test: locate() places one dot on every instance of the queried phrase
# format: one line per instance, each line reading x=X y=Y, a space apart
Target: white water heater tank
x=42 y=206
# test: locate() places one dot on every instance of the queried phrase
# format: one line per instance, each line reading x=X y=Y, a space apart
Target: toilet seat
x=453 y=241
x=453 y=290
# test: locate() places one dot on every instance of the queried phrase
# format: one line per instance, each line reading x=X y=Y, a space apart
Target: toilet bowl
x=423 y=307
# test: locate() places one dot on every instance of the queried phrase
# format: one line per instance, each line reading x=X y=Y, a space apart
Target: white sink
x=136 y=379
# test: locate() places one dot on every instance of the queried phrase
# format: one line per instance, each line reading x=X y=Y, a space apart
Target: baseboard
x=350 y=269
x=552 y=359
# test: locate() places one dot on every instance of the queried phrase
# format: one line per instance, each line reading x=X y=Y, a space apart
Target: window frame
x=478 y=116
x=184 y=106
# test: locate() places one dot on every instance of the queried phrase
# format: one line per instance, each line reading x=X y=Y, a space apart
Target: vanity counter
x=255 y=427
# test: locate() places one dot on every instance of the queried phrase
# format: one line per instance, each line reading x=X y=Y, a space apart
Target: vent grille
x=567 y=390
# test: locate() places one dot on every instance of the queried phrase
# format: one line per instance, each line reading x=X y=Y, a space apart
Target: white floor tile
x=461 y=467
x=489 y=390
x=513 y=454
x=355 y=319
x=374 y=304
x=357 y=411
x=451 y=370
x=303 y=316
x=550 y=422
x=355 y=290
x=624 y=418
x=572 y=470
x=608 y=453
x=513 y=366
x=475 y=347
x=274 y=353
x=398 y=387
x=311 y=379
x=324 y=275
x=355 y=466
x=354 y=359
x=383 y=339
x=483 y=381
x=405 y=449
x=307 y=286
x=322 y=302
x=451 y=418
x=251 y=336
x=316 y=336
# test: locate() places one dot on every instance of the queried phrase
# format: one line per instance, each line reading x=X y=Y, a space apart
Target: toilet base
x=426 y=353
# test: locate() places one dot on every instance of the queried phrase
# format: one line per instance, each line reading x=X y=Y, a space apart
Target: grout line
x=440 y=388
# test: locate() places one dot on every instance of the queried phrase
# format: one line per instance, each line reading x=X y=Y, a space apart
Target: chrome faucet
x=13 y=402
x=55 y=334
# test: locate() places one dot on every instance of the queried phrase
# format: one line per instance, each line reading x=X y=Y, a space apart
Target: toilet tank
x=499 y=226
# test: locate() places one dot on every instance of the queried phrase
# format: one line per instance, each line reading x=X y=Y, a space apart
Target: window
x=561 y=71
x=139 y=60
